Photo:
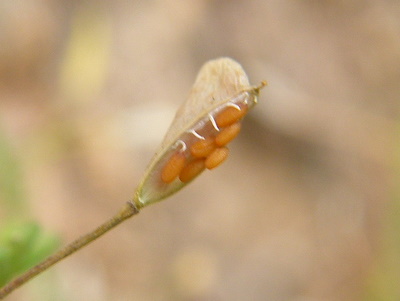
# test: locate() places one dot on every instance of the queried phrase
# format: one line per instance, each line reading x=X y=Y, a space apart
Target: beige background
x=299 y=210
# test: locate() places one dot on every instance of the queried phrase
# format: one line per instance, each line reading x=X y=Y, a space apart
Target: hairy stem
x=126 y=212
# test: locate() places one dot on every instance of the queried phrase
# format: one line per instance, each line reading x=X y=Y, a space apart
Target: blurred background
x=307 y=207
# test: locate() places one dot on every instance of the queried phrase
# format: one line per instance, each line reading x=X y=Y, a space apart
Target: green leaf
x=22 y=245
x=11 y=193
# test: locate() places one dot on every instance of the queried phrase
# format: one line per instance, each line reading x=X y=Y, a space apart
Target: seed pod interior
x=220 y=93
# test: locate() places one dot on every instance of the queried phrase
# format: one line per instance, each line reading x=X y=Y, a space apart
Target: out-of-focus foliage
x=22 y=243
x=12 y=193
x=86 y=55
x=383 y=284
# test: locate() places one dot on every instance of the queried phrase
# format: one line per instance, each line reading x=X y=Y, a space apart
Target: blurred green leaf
x=87 y=54
x=383 y=285
x=11 y=193
x=22 y=245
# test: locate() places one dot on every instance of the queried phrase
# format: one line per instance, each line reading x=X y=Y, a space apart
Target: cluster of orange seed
x=207 y=152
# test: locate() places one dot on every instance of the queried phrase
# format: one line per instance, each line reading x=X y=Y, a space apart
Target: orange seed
x=173 y=167
x=217 y=157
x=230 y=115
x=202 y=148
x=192 y=170
x=227 y=134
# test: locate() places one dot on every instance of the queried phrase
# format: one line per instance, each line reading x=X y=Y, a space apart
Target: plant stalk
x=126 y=212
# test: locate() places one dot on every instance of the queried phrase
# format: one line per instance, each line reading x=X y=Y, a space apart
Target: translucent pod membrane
x=204 y=125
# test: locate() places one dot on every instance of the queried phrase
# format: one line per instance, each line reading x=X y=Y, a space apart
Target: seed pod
x=227 y=134
x=218 y=156
x=173 y=167
x=230 y=115
x=221 y=85
x=203 y=148
x=192 y=170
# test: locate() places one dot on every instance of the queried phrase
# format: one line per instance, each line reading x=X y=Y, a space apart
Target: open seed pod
x=196 y=140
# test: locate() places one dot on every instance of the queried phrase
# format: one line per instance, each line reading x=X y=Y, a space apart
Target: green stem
x=126 y=212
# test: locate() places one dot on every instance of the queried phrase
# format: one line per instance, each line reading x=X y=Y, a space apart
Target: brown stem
x=126 y=212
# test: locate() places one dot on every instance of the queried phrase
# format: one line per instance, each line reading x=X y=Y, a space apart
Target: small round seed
x=173 y=168
x=217 y=157
x=202 y=148
x=227 y=134
x=230 y=115
x=192 y=170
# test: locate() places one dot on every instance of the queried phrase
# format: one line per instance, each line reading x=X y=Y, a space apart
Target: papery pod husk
x=218 y=82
